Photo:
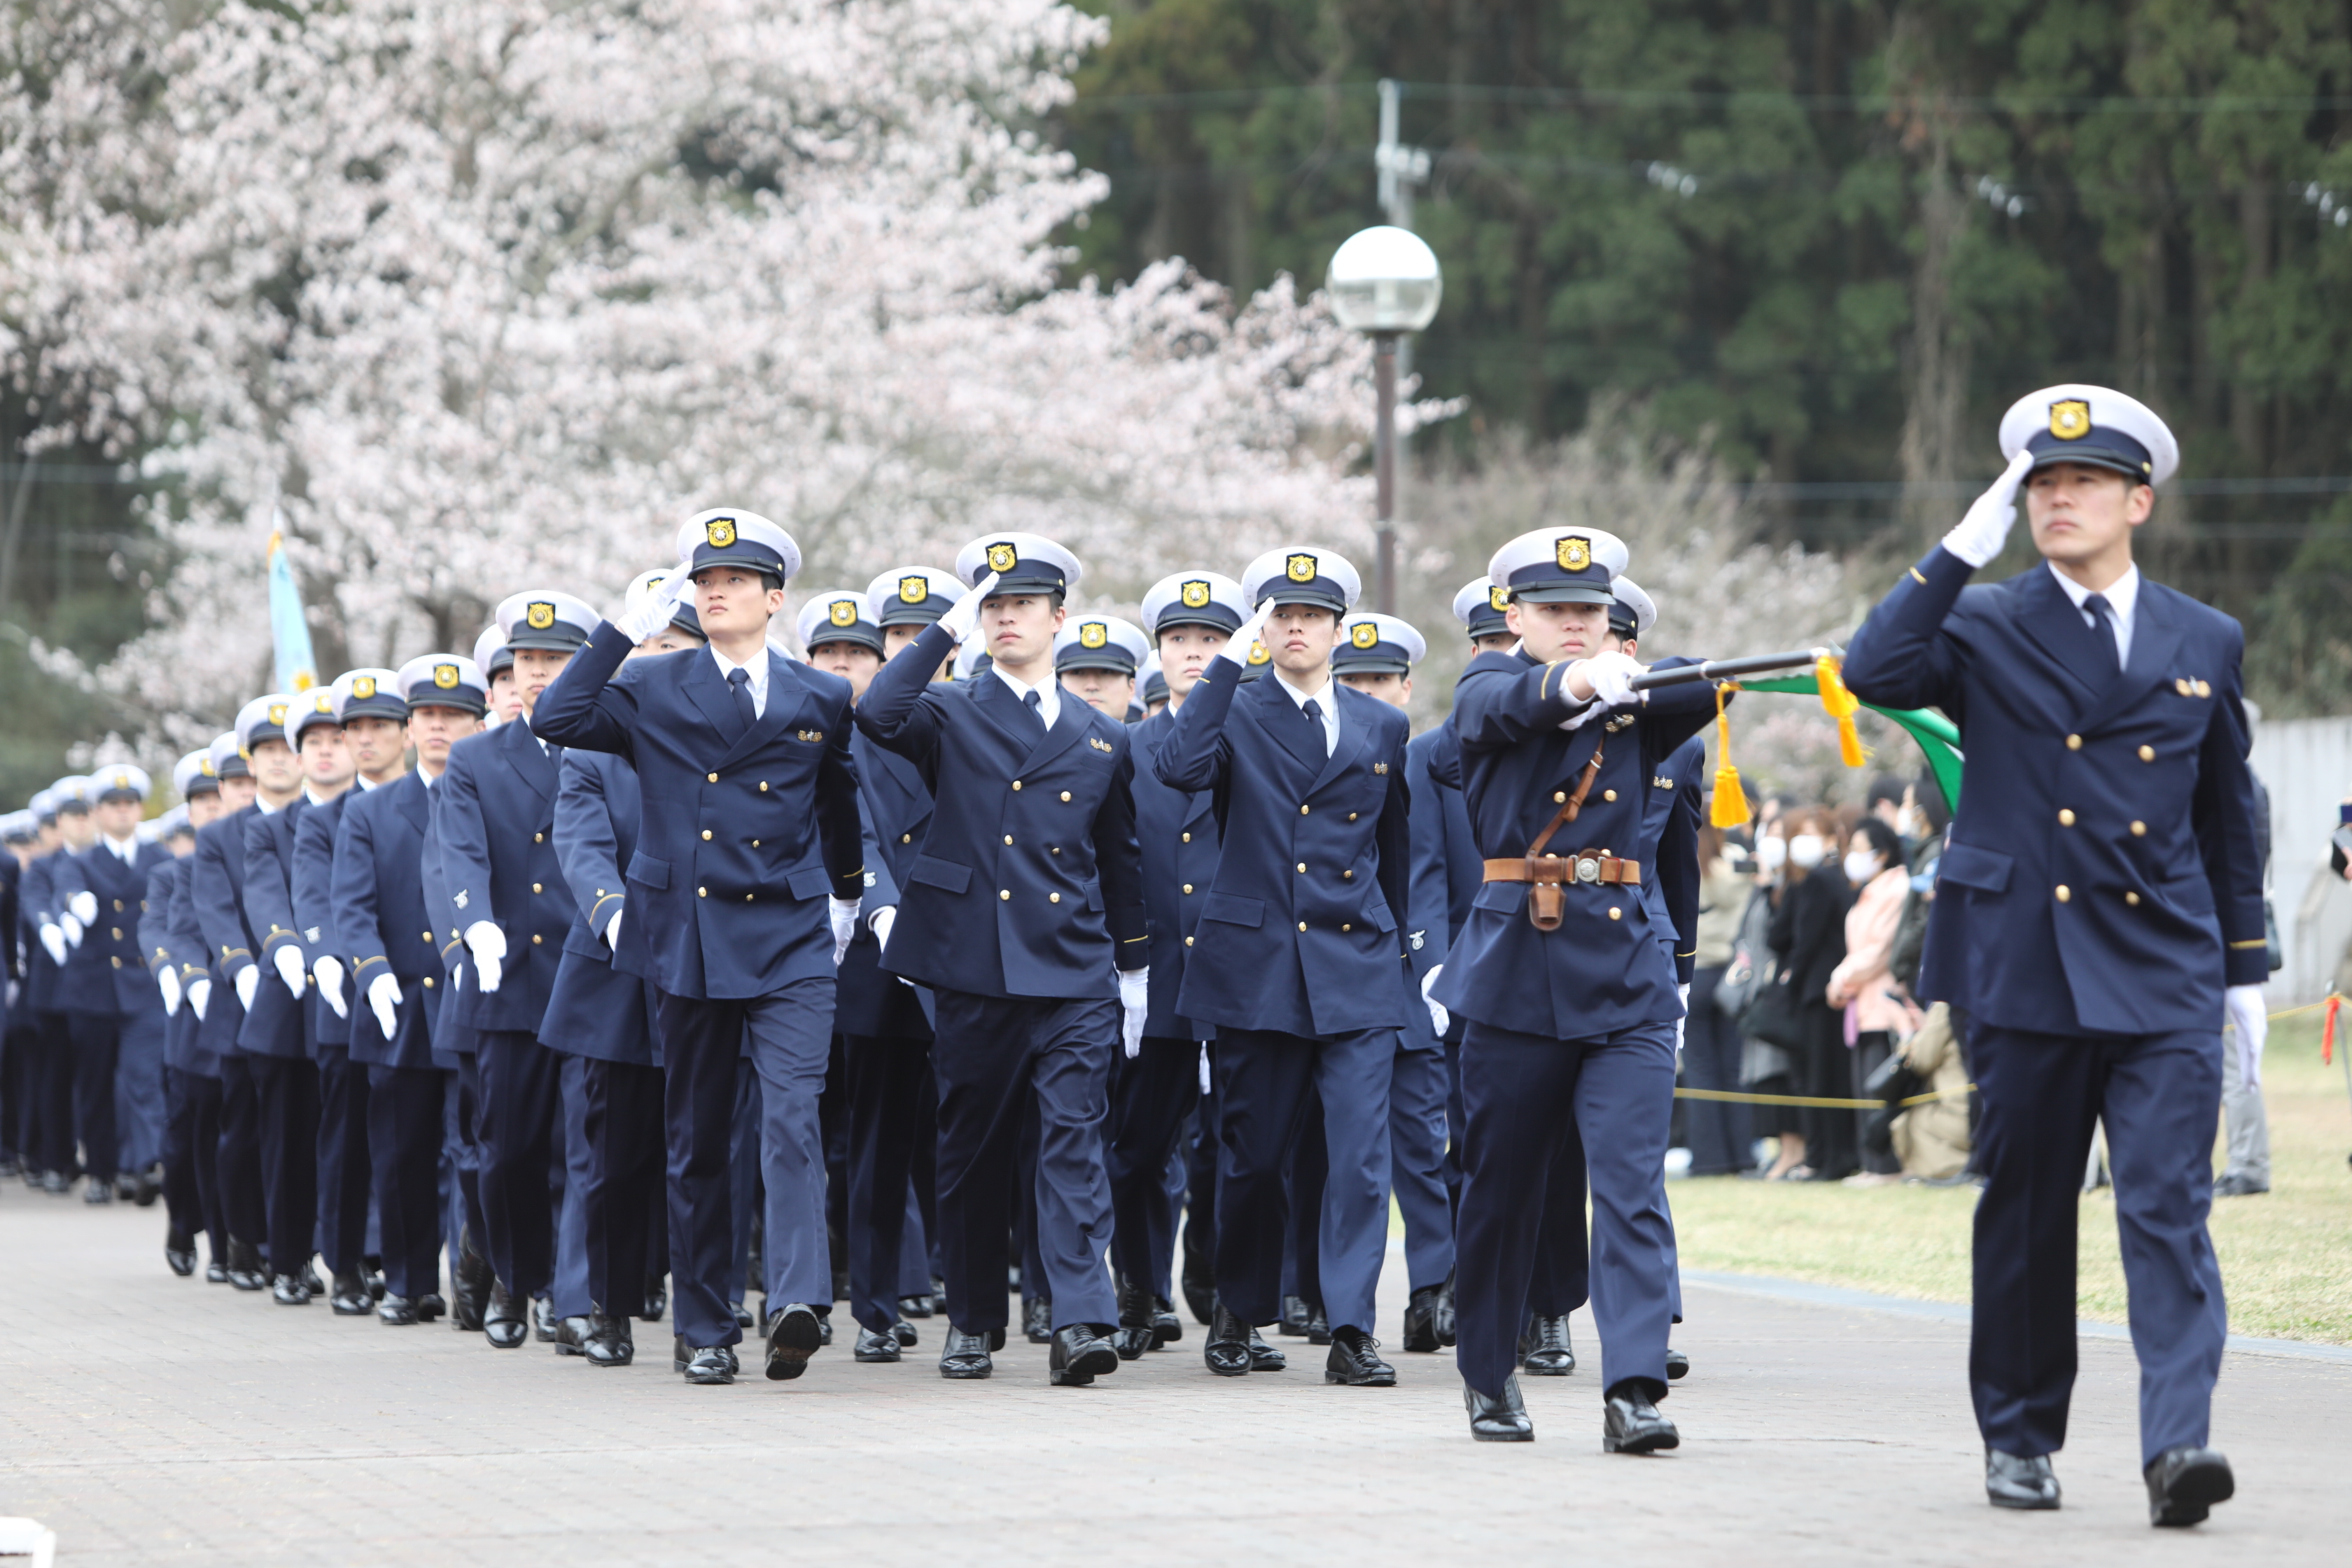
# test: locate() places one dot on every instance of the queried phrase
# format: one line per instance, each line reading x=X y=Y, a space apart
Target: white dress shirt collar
x=2122 y=599
x=1326 y=702
x=758 y=671
x=1049 y=693
x=125 y=850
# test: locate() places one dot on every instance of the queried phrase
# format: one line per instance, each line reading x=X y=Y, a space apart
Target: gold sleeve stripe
x=1921 y=581
x=2257 y=942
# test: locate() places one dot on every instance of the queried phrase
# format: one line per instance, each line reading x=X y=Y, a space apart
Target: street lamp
x=1385 y=281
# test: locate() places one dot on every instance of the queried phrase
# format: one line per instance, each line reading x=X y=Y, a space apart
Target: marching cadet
x=59 y=931
x=744 y=758
x=601 y=1014
x=103 y=988
x=494 y=811
x=495 y=659
x=2098 y=917
x=1151 y=688
x=1096 y=658
x=174 y=956
x=280 y=1028
x=1024 y=914
x=1376 y=655
x=882 y=1036
x=371 y=722
x=376 y=899
x=20 y=832
x=1191 y=615
x=210 y=910
x=1586 y=1054
x=35 y=1012
x=1317 y=851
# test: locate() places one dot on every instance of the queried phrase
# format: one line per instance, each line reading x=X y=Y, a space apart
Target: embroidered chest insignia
x=1101 y=745
x=1380 y=767
x=1415 y=939
x=1619 y=722
x=1658 y=781
x=461 y=900
x=814 y=737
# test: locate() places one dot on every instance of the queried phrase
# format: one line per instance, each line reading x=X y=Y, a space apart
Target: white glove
x=383 y=999
x=54 y=939
x=964 y=613
x=843 y=914
x=1237 y=647
x=487 y=944
x=84 y=905
x=613 y=929
x=249 y=980
x=1439 y=1018
x=71 y=927
x=1985 y=529
x=328 y=973
x=199 y=992
x=16 y=989
x=1684 y=992
x=1204 y=1067
x=655 y=611
x=289 y=960
x=167 y=980
x=1134 y=1004
x=883 y=920
x=1610 y=676
x=2242 y=1010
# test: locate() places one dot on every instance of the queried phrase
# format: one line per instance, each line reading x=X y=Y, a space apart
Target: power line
x=1689 y=98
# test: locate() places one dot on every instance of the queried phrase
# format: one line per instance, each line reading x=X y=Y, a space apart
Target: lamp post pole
x=1384 y=282
x=1384 y=390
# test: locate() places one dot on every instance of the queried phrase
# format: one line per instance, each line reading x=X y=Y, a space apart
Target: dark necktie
x=741 y=679
x=1036 y=702
x=2108 y=665
x=1315 y=735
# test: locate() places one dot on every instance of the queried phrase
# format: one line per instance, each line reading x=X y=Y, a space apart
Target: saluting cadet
x=371 y=722
x=1376 y=655
x=1191 y=615
x=103 y=988
x=882 y=1036
x=601 y=1014
x=2098 y=916
x=59 y=932
x=381 y=925
x=1298 y=960
x=1024 y=913
x=494 y=812
x=1566 y=986
x=173 y=956
x=745 y=763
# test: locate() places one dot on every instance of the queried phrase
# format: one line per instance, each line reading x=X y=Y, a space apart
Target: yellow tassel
x=1729 y=807
x=1842 y=705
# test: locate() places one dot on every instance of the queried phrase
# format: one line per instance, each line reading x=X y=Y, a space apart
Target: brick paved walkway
x=155 y=1420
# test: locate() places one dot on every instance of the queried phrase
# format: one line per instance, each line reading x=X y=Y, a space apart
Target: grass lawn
x=2286 y=1255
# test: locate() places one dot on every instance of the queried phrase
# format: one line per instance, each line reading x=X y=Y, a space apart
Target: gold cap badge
x=2070 y=420
x=363 y=686
x=1364 y=634
x=1574 y=552
x=1093 y=634
x=1196 y=594
x=277 y=714
x=445 y=676
x=1003 y=558
x=209 y=772
x=914 y=590
x=721 y=532
x=1301 y=567
x=1258 y=654
x=844 y=612
x=541 y=615
x=1499 y=596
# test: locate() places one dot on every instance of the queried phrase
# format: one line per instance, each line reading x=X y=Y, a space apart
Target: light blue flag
x=297 y=666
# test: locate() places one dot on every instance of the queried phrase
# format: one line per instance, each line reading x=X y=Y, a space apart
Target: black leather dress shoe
x=1355 y=1360
x=825 y=1324
x=1319 y=1324
x=54 y=1184
x=1445 y=1322
x=215 y=1272
x=1199 y=1288
x=917 y=1306
x=372 y=1270
x=1133 y=1345
x=288 y=1290
x=902 y=1331
x=1135 y=1335
x=1265 y=1357
x=571 y=1336
x=97 y=1191
x=656 y=1299
x=874 y=1347
x=395 y=1311
x=1037 y=1320
x=470 y=1281
x=430 y=1307
x=1546 y=1351
x=743 y=1319
x=1079 y=1356
x=1677 y=1366
x=1167 y=1328
x=311 y=1282
x=543 y=1319
x=350 y=1297
x=2013 y=1481
x=1290 y=1319
x=244 y=1270
x=714 y=1364
x=1503 y=1420
x=145 y=1189
x=794 y=1335
x=2184 y=1482
x=1227 y=1351
x=502 y=1320
x=1421 y=1320
x=1630 y=1423
x=964 y=1355
x=610 y=1341
x=180 y=1253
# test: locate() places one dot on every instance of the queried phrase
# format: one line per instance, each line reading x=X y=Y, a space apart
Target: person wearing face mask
x=1765 y=1068
x=1876 y=1011
x=1807 y=938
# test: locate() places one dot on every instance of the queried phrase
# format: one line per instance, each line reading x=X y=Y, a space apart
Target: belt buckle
x=1588 y=868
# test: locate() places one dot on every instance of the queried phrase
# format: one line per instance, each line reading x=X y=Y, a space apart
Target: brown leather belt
x=1588 y=866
